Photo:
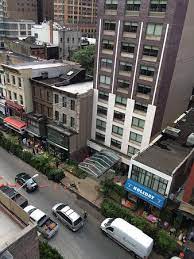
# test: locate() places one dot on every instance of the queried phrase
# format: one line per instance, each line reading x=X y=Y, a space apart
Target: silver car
x=68 y=216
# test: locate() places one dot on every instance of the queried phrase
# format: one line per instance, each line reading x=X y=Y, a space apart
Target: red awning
x=15 y=123
x=14 y=106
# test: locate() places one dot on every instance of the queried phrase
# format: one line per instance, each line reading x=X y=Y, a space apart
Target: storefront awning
x=145 y=193
x=15 y=124
x=14 y=106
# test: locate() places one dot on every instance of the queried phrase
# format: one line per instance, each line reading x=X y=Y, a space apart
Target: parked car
x=14 y=195
x=68 y=216
x=128 y=236
x=46 y=226
x=29 y=183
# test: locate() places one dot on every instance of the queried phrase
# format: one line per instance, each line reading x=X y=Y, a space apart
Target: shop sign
x=145 y=193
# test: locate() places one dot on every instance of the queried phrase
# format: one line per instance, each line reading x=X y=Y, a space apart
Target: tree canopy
x=85 y=57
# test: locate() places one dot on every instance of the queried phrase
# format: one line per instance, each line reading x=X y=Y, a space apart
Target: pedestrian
x=85 y=215
x=33 y=150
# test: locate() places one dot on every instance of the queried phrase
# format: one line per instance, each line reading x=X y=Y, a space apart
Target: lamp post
x=34 y=176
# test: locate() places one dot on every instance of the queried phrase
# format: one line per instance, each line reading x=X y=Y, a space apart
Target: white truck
x=46 y=226
x=128 y=236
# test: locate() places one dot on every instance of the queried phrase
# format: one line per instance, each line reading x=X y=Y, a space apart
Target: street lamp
x=34 y=176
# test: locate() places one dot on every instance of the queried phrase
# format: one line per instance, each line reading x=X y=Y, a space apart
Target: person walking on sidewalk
x=85 y=214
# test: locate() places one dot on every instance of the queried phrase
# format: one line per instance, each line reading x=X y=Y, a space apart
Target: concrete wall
x=183 y=77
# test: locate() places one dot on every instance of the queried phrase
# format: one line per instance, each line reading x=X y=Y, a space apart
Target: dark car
x=28 y=183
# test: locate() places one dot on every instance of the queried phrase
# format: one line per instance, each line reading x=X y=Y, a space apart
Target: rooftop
x=73 y=81
x=169 y=151
x=36 y=65
x=9 y=227
x=8 y=57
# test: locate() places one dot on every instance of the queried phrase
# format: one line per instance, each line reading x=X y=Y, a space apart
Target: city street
x=87 y=243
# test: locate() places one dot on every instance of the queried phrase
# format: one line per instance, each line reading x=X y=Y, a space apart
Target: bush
x=165 y=242
x=112 y=190
x=47 y=252
x=56 y=175
x=27 y=156
x=162 y=241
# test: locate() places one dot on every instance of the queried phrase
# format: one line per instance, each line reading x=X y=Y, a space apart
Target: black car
x=28 y=183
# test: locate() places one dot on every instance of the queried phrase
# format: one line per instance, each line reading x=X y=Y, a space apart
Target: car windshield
x=109 y=222
x=60 y=207
x=30 y=211
x=79 y=220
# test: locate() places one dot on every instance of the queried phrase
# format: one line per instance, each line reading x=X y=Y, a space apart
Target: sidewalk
x=87 y=188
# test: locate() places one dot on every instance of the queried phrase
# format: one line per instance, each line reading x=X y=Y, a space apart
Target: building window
x=115 y=143
x=158 y=5
x=101 y=125
x=103 y=96
x=9 y=95
x=150 y=51
x=154 y=30
x=101 y=110
x=143 y=89
x=149 y=180
x=15 y=96
x=146 y=71
x=100 y=137
x=72 y=105
x=105 y=80
x=123 y=84
x=64 y=118
x=125 y=67
x=13 y=80
x=132 y=150
x=117 y=130
x=111 y=4
x=121 y=101
x=72 y=122
x=19 y=82
x=133 y=5
x=108 y=44
x=135 y=137
x=130 y=27
x=48 y=96
x=127 y=47
x=139 y=123
x=109 y=25
x=56 y=115
x=7 y=78
x=106 y=63
x=119 y=116
x=64 y=101
x=140 y=107
x=21 y=100
x=56 y=98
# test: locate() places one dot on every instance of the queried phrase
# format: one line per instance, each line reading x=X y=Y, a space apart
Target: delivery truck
x=128 y=236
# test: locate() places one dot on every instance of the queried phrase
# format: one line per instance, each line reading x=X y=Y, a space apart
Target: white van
x=128 y=236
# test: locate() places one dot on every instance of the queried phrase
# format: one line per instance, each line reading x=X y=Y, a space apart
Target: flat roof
x=35 y=65
x=168 y=152
x=8 y=226
x=78 y=88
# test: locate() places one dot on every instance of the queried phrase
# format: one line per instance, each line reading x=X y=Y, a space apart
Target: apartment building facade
x=143 y=69
x=45 y=10
x=66 y=102
x=20 y=10
x=80 y=14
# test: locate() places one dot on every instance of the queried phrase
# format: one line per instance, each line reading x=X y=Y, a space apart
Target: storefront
x=139 y=191
x=14 y=109
x=58 y=141
x=15 y=125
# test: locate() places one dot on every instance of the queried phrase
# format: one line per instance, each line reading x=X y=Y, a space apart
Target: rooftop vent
x=44 y=75
x=190 y=140
x=172 y=132
x=70 y=73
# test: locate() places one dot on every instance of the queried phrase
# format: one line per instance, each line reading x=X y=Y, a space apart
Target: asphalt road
x=88 y=242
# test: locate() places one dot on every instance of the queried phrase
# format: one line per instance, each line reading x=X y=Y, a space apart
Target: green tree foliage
x=47 y=252
x=85 y=57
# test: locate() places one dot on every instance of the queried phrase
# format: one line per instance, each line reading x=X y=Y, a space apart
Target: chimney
x=51 y=31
